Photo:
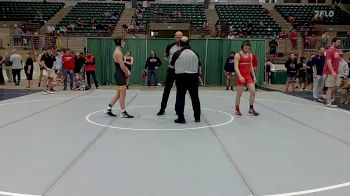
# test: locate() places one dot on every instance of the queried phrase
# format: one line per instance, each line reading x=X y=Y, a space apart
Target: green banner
x=212 y=52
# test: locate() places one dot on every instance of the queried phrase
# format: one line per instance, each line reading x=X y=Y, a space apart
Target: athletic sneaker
x=231 y=88
x=253 y=112
x=320 y=100
x=110 y=113
x=238 y=113
x=126 y=115
x=331 y=105
x=44 y=93
x=51 y=92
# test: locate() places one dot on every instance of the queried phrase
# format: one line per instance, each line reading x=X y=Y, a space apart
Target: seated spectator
x=38 y=16
x=283 y=35
x=205 y=25
x=131 y=27
x=108 y=13
x=50 y=30
x=79 y=22
x=71 y=26
x=346 y=42
x=63 y=30
x=261 y=23
x=266 y=11
x=230 y=36
x=291 y=21
x=93 y=21
x=145 y=4
x=317 y=18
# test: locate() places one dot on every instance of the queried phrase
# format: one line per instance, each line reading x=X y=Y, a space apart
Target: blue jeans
x=154 y=74
x=67 y=72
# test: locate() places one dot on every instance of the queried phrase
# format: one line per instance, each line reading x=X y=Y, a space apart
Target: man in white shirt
x=17 y=65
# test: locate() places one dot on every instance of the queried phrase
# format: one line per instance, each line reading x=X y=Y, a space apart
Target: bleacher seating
x=86 y=11
x=304 y=13
x=238 y=16
x=193 y=13
x=26 y=11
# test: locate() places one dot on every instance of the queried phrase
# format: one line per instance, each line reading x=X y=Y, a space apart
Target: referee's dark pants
x=187 y=82
x=169 y=82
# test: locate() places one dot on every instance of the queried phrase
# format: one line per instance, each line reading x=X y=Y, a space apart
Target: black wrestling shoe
x=110 y=113
x=126 y=115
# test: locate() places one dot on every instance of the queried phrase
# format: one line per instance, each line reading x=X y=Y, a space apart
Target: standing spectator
x=90 y=67
x=38 y=16
x=230 y=36
x=273 y=46
x=331 y=71
x=17 y=66
x=346 y=43
x=229 y=70
x=343 y=68
x=152 y=66
x=68 y=69
x=2 y=80
x=28 y=69
x=248 y=27
x=79 y=61
x=268 y=66
x=302 y=73
x=43 y=52
x=293 y=39
x=312 y=42
x=17 y=35
x=48 y=64
x=59 y=66
x=318 y=63
x=324 y=39
x=8 y=68
x=310 y=72
x=128 y=61
x=292 y=69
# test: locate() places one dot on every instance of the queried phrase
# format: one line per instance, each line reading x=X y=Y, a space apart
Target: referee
x=187 y=64
x=170 y=77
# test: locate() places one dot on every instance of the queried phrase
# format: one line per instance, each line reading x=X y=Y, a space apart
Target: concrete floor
x=63 y=145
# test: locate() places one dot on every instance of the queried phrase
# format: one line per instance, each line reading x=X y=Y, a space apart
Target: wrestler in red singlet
x=244 y=69
x=245 y=77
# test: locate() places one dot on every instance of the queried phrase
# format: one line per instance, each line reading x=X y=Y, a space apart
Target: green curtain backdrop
x=212 y=52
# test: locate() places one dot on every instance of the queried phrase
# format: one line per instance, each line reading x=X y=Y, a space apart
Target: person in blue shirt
x=229 y=70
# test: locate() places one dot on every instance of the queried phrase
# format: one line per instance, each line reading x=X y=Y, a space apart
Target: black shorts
x=120 y=78
x=128 y=66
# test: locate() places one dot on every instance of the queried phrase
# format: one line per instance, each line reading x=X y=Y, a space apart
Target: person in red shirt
x=293 y=38
x=245 y=77
x=68 y=68
x=90 y=68
x=331 y=70
x=291 y=20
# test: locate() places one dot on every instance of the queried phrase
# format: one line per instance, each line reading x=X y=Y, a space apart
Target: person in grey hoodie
x=17 y=65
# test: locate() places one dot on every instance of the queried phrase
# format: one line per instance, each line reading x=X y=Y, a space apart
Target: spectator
x=302 y=73
x=248 y=27
x=316 y=18
x=71 y=26
x=261 y=23
x=28 y=69
x=63 y=30
x=17 y=66
x=93 y=21
x=128 y=62
x=268 y=66
x=273 y=46
x=282 y=35
x=292 y=69
x=266 y=11
x=8 y=68
x=293 y=38
x=108 y=14
x=50 y=30
x=312 y=42
x=346 y=43
x=17 y=35
x=2 y=80
x=68 y=69
x=79 y=22
x=230 y=36
x=59 y=65
x=343 y=68
x=318 y=63
x=291 y=21
x=131 y=27
x=145 y=4
x=310 y=72
x=324 y=39
x=79 y=60
x=48 y=64
x=38 y=16
x=152 y=66
x=90 y=67
x=349 y=66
